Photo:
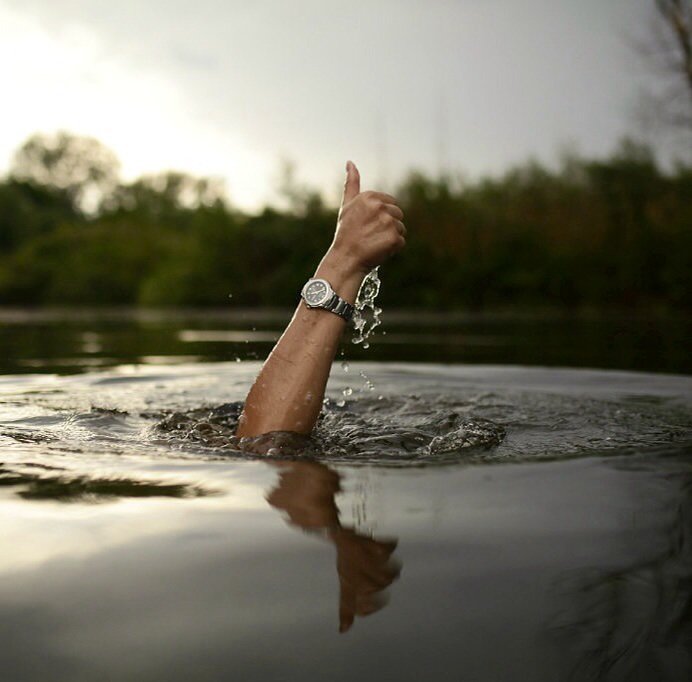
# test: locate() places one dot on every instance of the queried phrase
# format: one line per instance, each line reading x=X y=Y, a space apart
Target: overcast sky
x=228 y=88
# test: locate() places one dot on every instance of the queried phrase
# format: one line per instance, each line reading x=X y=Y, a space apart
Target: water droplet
x=340 y=403
x=345 y=366
x=347 y=391
x=230 y=295
x=366 y=315
x=237 y=359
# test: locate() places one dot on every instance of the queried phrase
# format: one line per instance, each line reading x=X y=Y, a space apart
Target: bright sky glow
x=230 y=88
x=73 y=83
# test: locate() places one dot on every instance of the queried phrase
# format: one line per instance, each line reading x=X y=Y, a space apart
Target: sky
x=232 y=89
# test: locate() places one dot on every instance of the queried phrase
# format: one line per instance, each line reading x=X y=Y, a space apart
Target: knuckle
x=377 y=212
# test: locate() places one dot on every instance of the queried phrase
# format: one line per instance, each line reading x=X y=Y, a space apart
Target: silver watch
x=318 y=293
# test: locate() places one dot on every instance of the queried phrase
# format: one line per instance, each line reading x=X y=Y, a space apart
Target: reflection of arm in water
x=305 y=492
x=287 y=395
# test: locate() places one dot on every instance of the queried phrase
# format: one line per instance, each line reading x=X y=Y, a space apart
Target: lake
x=73 y=340
x=485 y=498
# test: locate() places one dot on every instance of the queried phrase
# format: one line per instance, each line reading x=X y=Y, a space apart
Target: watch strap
x=342 y=308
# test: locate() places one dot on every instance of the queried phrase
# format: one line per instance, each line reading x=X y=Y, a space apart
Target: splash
x=366 y=316
x=392 y=431
x=419 y=416
x=468 y=425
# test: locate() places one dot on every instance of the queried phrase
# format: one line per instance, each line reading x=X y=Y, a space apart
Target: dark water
x=72 y=341
x=445 y=522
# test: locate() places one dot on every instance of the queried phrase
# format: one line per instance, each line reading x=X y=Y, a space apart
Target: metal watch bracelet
x=318 y=293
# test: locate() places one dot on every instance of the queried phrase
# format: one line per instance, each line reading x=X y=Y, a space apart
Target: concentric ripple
x=425 y=430
x=417 y=416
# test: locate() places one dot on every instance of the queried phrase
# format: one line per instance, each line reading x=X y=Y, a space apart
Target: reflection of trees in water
x=61 y=486
x=635 y=623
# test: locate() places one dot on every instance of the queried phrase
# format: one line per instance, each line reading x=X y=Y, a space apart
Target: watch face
x=315 y=292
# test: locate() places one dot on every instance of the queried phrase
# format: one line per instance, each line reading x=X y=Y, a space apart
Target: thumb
x=346 y=617
x=352 y=184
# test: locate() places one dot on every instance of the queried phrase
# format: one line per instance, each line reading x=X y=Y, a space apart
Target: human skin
x=288 y=392
x=305 y=492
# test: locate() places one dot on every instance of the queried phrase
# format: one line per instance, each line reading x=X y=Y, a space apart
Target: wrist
x=346 y=260
x=342 y=273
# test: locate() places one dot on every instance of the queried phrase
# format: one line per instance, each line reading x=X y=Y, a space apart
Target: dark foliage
x=613 y=232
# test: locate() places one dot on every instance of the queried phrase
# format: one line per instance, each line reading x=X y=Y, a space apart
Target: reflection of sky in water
x=198 y=589
x=47 y=530
x=495 y=558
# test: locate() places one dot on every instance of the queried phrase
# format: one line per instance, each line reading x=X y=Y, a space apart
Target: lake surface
x=74 y=340
x=459 y=521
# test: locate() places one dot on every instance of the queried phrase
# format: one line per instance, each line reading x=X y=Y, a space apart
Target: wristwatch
x=318 y=293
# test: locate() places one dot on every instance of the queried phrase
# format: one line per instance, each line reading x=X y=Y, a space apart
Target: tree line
x=609 y=232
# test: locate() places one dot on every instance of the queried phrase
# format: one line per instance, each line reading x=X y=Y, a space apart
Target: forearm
x=288 y=392
x=287 y=395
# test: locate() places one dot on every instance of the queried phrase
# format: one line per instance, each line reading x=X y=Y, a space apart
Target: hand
x=365 y=569
x=369 y=228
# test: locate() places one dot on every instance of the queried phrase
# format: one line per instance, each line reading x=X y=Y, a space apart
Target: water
x=366 y=314
x=79 y=340
x=477 y=522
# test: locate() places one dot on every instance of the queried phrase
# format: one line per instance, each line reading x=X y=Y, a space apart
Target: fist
x=369 y=228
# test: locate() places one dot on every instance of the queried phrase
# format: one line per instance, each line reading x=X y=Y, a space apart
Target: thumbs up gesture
x=369 y=228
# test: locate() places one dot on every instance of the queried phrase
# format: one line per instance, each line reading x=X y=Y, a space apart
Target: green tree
x=81 y=167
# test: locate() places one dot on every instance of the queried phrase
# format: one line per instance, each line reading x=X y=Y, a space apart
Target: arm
x=288 y=392
x=305 y=492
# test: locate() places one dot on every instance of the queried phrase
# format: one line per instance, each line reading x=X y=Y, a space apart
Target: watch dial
x=315 y=293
